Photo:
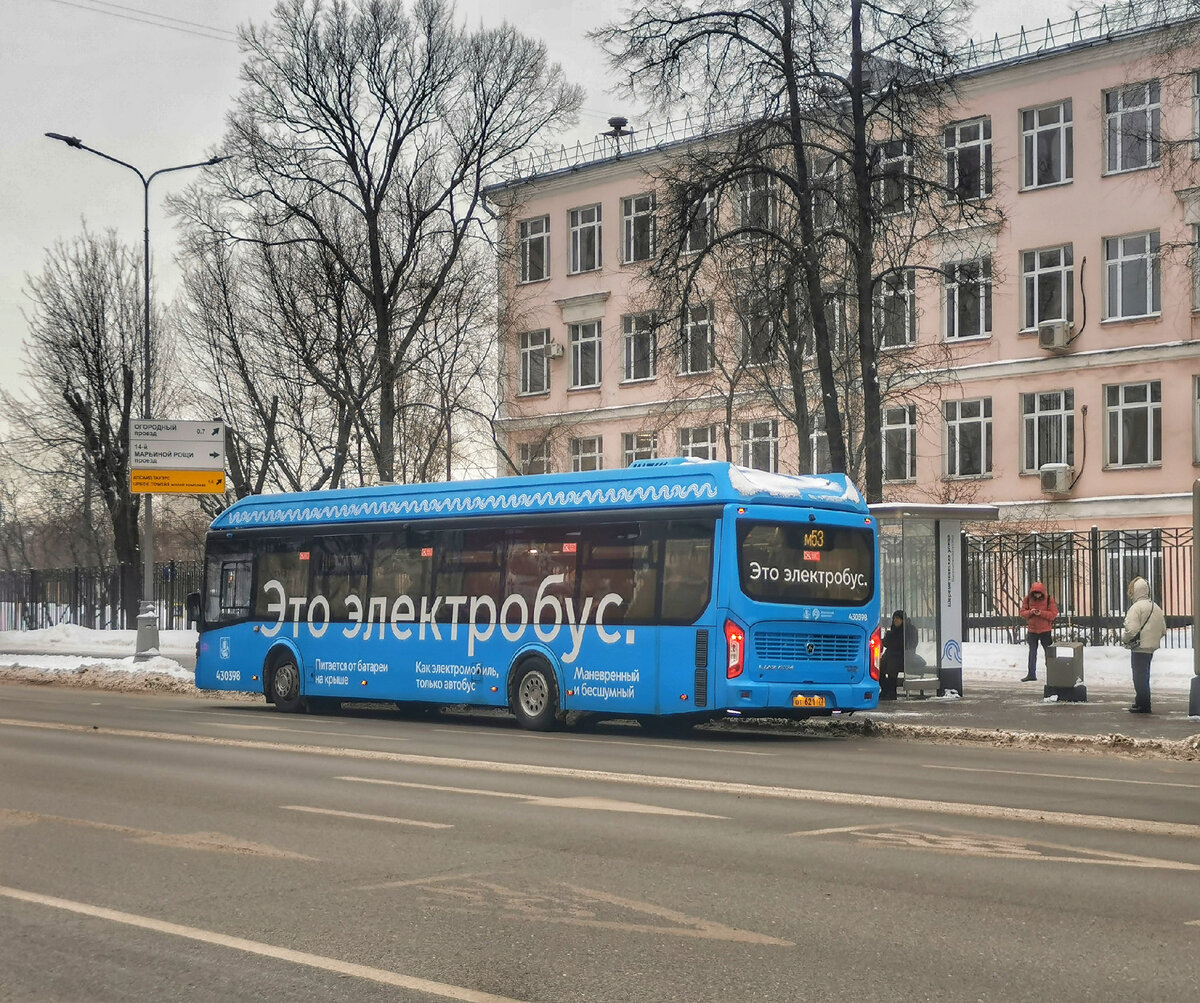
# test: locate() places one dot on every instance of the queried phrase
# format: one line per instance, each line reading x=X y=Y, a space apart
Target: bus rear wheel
x=285 y=686
x=534 y=696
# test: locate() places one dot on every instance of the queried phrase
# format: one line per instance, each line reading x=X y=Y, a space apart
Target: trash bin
x=1064 y=672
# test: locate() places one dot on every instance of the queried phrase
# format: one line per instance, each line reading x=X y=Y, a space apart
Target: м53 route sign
x=177 y=457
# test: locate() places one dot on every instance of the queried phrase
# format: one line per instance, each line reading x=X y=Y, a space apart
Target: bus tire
x=285 y=685
x=534 y=695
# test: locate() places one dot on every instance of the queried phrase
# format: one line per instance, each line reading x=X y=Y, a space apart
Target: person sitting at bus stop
x=899 y=641
x=1039 y=611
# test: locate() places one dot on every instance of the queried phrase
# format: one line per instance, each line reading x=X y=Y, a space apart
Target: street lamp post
x=147 y=630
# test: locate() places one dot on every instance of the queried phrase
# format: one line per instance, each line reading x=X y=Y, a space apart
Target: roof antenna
x=618 y=130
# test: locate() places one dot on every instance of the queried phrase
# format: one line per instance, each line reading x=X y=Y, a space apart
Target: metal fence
x=94 y=597
x=1087 y=573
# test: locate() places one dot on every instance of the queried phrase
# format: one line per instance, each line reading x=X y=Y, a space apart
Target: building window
x=1196 y=114
x=535 y=367
x=1132 y=127
x=535 y=249
x=1047 y=157
x=585 y=239
x=639 y=446
x=968 y=160
x=896 y=309
x=534 y=457
x=899 y=434
x=758 y=205
x=641 y=346
x=826 y=180
x=818 y=444
x=700 y=443
x=760 y=445
x=585 y=354
x=637 y=227
x=1196 y=419
x=1131 y=276
x=1195 y=263
x=696 y=352
x=700 y=225
x=969 y=299
x=1048 y=429
x=968 y=437
x=893 y=188
x=1133 y=416
x=1049 y=291
x=587 y=453
x=758 y=339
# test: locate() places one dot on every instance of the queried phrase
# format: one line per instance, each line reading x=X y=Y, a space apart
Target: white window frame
x=819 y=458
x=532 y=351
x=534 y=232
x=640 y=342
x=759 y=330
x=638 y=227
x=585 y=344
x=585 y=228
x=894 y=176
x=958 y=143
x=1196 y=419
x=1036 y=268
x=958 y=417
x=702 y=224
x=1119 y=111
x=759 y=441
x=699 y=442
x=1044 y=418
x=898 y=431
x=1120 y=410
x=959 y=279
x=1123 y=262
x=899 y=285
x=758 y=203
x=587 y=453
x=531 y=455
x=1032 y=131
x=698 y=334
x=639 y=446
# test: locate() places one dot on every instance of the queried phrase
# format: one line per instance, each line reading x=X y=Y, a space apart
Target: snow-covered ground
x=68 y=649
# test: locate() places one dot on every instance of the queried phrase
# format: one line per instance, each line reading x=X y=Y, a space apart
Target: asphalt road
x=157 y=847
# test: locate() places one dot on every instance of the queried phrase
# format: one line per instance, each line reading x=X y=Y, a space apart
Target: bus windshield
x=806 y=563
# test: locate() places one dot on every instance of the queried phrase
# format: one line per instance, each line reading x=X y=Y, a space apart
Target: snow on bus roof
x=666 y=483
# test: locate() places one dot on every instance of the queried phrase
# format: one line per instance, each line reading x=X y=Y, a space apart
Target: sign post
x=177 y=457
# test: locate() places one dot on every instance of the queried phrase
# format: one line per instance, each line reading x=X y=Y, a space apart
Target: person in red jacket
x=1039 y=610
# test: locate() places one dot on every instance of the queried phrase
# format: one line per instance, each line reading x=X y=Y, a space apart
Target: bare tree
x=368 y=132
x=831 y=164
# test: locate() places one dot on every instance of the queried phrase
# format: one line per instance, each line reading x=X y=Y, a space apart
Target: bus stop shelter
x=923 y=572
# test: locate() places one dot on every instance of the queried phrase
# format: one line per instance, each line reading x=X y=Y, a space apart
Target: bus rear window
x=806 y=563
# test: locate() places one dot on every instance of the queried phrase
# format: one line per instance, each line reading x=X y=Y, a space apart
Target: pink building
x=1070 y=391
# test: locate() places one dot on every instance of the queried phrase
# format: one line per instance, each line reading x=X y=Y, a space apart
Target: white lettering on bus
x=512 y=617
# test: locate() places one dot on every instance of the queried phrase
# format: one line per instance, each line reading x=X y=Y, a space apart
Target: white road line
x=876 y=801
x=380 y=975
x=366 y=818
x=576 y=740
x=1063 y=776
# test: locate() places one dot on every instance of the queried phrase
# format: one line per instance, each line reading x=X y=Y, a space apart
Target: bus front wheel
x=535 y=696
x=285 y=686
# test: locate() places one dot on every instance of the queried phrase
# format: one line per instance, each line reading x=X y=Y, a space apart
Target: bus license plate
x=803 y=701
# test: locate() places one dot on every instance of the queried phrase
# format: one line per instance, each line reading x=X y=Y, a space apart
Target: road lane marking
x=306 y=732
x=179 y=840
x=536 y=800
x=365 y=817
x=971 y=844
x=875 y=801
x=577 y=740
x=339 y=967
x=1062 y=776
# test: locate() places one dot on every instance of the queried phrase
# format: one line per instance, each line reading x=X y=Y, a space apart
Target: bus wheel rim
x=533 y=694
x=287 y=680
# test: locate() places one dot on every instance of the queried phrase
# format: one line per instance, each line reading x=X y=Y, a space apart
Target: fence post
x=1094 y=557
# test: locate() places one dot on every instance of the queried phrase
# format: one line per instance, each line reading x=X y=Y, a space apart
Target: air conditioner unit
x=554 y=351
x=1056 y=478
x=1054 y=335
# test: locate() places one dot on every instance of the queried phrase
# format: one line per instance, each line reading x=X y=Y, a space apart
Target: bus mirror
x=193 y=609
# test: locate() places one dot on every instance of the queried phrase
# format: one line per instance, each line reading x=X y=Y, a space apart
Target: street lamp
x=147 y=631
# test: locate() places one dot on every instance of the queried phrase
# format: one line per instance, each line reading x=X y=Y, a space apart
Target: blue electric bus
x=673 y=589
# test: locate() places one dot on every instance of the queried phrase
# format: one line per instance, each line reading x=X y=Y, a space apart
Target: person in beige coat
x=1145 y=625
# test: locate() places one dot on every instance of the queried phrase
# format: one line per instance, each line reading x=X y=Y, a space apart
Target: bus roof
x=644 y=484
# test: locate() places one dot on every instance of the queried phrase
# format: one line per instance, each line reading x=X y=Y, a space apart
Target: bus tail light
x=874 y=648
x=735 y=646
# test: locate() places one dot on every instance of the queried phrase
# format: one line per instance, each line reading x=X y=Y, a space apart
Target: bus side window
x=468 y=564
x=687 y=571
x=341 y=572
x=535 y=554
x=235 y=590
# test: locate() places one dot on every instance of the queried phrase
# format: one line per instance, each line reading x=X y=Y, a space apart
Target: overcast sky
x=150 y=81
